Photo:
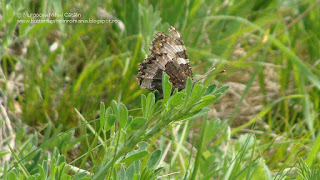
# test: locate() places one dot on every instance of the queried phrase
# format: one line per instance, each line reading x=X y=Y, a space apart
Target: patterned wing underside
x=167 y=53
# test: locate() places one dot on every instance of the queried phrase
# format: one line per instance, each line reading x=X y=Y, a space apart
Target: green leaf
x=175 y=91
x=223 y=89
x=158 y=170
x=8 y=14
x=157 y=95
x=24 y=26
x=156 y=108
x=35 y=160
x=12 y=176
x=33 y=177
x=143 y=105
x=42 y=172
x=188 y=88
x=134 y=157
x=122 y=174
x=110 y=122
x=176 y=99
x=61 y=159
x=115 y=175
x=5 y=170
x=4 y=152
x=108 y=111
x=137 y=123
x=45 y=167
x=143 y=146
x=47 y=133
x=195 y=114
x=115 y=109
x=136 y=177
x=215 y=127
x=313 y=151
x=137 y=165
x=196 y=94
x=129 y=120
x=35 y=28
x=205 y=101
x=147 y=173
x=62 y=168
x=154 y=159
x=199 y=148
x=80 y=176
x=166 y=87
x=130 y=172
x=211 y=89
x=123 y=115
x=263 y=169
x=150 y=104
x=207 y=97
x=102 y=114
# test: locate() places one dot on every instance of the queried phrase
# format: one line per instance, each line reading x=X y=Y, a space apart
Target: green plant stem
x=131 y=144
x=199 y=152
x=122 y=151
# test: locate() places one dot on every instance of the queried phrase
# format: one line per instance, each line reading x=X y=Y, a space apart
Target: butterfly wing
x=167 y=53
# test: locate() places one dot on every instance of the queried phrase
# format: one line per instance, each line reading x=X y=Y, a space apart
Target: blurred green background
x=269 y=49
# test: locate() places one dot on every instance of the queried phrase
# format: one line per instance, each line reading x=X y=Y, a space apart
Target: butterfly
x=167 y=54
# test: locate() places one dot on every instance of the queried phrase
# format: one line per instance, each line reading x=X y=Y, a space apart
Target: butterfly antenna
x=207 y=74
